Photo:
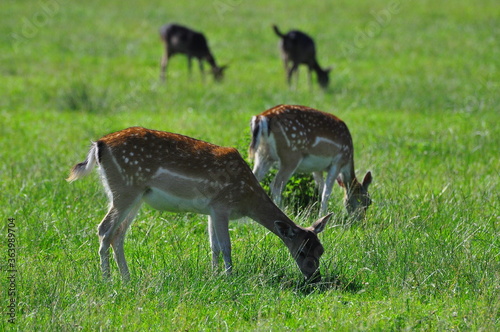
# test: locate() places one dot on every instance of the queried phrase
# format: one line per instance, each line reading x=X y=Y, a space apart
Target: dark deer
x=298 y=48
x=182 y=40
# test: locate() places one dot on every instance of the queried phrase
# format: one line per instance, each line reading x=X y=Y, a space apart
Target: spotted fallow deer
x=302 y=139
x=172 y=172
x=298 y=48
x=180 y=39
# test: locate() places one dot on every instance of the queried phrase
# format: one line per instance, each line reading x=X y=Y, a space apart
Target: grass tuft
x=81 y=96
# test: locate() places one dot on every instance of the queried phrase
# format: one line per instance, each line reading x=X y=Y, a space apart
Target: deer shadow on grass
x=329 y=281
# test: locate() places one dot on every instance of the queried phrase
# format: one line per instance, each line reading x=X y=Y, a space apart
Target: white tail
x=182 y=40
x=84 y=168
x=302 y=139
x=299 y=48
x=177 y=173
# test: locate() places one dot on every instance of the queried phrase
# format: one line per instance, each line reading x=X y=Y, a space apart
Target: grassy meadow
x=417 y=82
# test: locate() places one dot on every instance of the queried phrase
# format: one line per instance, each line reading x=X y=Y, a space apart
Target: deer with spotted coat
x=302 y=139
x=172 y=172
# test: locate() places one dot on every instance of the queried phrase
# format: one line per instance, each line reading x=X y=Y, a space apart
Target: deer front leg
x=309 y=71
x=320 y=182
x=202 y=69
x=218 y=230
x=331 y=176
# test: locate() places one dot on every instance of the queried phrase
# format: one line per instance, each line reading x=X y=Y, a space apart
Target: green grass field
x=417 y=82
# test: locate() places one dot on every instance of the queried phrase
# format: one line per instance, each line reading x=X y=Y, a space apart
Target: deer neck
x=265 y=212
x=349 y=179
x=211 y=61
x=316 y=67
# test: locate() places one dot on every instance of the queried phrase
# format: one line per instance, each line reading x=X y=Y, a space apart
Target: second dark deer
x=298 y=48
x=182 y=40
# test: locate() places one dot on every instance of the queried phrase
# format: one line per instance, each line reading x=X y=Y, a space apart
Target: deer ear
x=284 y=229
x=319 y=225
x=367 y=180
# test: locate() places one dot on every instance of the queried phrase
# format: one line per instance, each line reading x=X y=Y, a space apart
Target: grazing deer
x=298 y=48
x=180 y=39
x=302 y=139
x=172 y=172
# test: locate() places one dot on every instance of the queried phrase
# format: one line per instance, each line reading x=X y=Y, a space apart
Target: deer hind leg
x=118 y=240
x=108 y=230
x=218 y=230
x=164 y=63
x=293 y=69
x=285 y=172
x=262 y=165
